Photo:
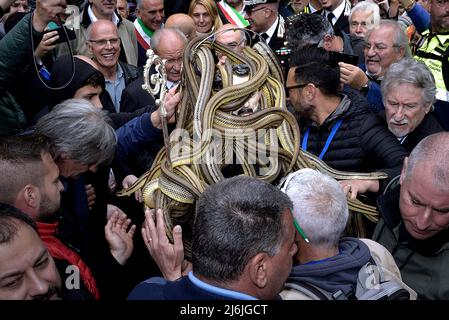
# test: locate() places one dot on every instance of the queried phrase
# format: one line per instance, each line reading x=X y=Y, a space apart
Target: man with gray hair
x=324 y=259
x=408 y=93
x=150 y=17
x=82 y=136
x=415 y=218
x=385 y=44
x=364 y=16
x=169 y=44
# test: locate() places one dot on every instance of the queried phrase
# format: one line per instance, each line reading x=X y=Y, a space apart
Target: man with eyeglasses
x=264 y=18
x=385 y=44
x=98 y=10
x=104 y=44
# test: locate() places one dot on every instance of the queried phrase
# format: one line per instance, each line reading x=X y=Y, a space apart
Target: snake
x=210 y=140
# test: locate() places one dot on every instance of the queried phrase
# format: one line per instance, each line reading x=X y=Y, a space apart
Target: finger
x=126 y=224
x=139 y=195
x=132 y=231
x=162 y=237
x=149 y=214
x=178 y=243
x=146 y=237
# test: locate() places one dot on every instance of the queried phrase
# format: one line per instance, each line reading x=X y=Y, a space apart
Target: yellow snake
x=265 y=143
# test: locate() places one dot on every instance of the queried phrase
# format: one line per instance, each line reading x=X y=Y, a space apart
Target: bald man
x=182 y=22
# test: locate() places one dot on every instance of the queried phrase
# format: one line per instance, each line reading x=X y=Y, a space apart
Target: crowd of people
x=367 y=82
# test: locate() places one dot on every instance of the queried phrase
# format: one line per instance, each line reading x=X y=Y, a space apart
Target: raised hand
x=119 y=236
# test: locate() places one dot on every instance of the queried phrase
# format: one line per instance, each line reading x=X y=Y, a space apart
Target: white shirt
x=337 y=12
x=271 y=30
x=93 y=18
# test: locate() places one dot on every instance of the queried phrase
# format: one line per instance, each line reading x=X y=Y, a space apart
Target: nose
x=399 y=114
x=37 y=286
x=423 y=220
x=201 y=18
x=246 y=16
x=359 y=29
x=97 y=102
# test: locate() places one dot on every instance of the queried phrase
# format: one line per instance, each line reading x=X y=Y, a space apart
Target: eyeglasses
x=378 y=47
x=103 y=42
x=296 y=86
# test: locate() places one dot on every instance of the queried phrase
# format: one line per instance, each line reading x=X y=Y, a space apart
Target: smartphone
x=337 y=57
x=62 y=36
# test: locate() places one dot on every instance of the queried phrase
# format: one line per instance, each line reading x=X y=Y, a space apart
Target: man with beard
x=340 y=128
x=408 y=92
x=31 y=184
x=27 y=270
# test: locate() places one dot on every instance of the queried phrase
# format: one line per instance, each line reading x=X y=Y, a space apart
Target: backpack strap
x=315 y=292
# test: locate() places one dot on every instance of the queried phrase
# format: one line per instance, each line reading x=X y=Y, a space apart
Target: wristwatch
x=364 y=90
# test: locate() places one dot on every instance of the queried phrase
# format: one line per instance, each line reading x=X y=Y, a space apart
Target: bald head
x=182 y=22
x=230 y=35
x=433 y=151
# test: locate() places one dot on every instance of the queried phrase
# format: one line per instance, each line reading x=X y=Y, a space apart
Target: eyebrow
x=18 y=272
x=415 y=198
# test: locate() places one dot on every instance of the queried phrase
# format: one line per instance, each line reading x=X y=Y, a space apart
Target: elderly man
x=326 y=260
x=104 y=44
x=264 y=18
x=27 y=270
x=408 y=93
x=97 y=10
x=150 y=17
x=415 y=219
x=123 y=8
x=385 y=44
x=249 y=223
x=364 y=16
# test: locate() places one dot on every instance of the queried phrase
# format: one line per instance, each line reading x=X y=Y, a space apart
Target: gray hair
x=163 y=34
x=400 y=40
x=80 y=130
x=434 y=150
x=369 y=6
x=235 y=220
x=319 y=206
x=409 y=70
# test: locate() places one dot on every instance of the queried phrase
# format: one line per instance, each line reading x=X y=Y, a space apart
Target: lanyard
x=328 y=141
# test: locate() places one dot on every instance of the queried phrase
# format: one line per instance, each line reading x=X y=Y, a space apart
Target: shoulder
x=149 y=289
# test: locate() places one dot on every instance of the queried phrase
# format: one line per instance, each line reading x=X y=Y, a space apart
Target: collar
x=46 y=229
x=339 y=111
x=218 y=291
x=272 y=29
x=93 y=18
x=118 y=74
x=339 y=10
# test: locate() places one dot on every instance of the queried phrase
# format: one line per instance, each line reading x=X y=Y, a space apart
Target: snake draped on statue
x=225 y=127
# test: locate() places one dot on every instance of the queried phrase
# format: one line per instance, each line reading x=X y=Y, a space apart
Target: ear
x=31 y=196
x=428 y=108
x=404 y=170
x=258 y=269
x=327 y=42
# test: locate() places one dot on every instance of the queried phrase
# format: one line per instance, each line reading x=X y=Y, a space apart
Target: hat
x=61 y=73
x=252 y=3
